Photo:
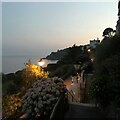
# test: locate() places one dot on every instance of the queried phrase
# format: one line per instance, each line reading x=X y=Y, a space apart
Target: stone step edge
x=82 y=104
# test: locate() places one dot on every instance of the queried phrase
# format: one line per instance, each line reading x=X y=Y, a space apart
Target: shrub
x=11 y=104
x=99 y=90
x=42 y=96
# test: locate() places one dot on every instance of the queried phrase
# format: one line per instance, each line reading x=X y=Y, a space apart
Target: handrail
x=59 y=108
x=52 y=116
x=72 y=95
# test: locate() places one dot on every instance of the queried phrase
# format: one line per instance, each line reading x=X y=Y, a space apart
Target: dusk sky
x=37 y=28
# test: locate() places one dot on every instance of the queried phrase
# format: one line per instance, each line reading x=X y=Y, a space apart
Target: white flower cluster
x=42 y=96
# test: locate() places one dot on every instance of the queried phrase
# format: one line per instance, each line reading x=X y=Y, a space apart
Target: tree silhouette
x=108 y=32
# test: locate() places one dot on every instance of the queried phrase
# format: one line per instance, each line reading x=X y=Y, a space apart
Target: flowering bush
x=20 y=81
x=42 y=96
x=32 y=73
x=11 y=103
x=36 y=71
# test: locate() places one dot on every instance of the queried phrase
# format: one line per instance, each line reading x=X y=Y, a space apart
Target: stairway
x=81 y=111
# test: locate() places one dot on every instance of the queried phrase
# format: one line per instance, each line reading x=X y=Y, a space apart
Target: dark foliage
x=64 y=71
x=105 y=88
x=108 y=32
x=75 y=55
x=12 y=82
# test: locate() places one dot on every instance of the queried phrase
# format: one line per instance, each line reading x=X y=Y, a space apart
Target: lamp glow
x=41 y=62
x=89 y=50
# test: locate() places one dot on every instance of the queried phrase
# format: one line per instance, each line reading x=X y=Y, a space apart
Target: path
x=80 y=111
x=75 y=87
x=83 y=112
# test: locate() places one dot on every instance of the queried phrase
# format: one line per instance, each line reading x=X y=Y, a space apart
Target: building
x=93 y=44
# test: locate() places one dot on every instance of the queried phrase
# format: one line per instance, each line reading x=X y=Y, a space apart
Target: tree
x=105 y=87
x=75 y=56
x=108 y=32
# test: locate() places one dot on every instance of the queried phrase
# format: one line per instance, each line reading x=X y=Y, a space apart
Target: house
x=93 y=44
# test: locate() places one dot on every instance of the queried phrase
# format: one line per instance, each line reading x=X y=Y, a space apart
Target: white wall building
x=93 y=43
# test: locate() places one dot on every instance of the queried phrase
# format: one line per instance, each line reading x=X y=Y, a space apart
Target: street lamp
x=41 y=62
x=89 y=50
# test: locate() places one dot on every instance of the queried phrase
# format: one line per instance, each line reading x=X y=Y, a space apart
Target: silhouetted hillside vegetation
x=58 y=55
x=105 y=87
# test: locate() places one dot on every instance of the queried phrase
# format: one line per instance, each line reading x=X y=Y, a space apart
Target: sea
x=11 y=64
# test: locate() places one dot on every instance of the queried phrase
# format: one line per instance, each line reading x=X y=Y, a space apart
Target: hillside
x=58 y=55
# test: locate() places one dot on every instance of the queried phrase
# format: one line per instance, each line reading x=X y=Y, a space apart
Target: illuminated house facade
x=93 y=44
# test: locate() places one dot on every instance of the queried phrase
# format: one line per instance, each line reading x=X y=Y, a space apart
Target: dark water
x=11 y=64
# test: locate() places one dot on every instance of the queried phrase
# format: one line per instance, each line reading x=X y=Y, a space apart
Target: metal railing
x=72 y=95
x=59 y=109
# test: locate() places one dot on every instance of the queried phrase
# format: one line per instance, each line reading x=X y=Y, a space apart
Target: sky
x=39 y=28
